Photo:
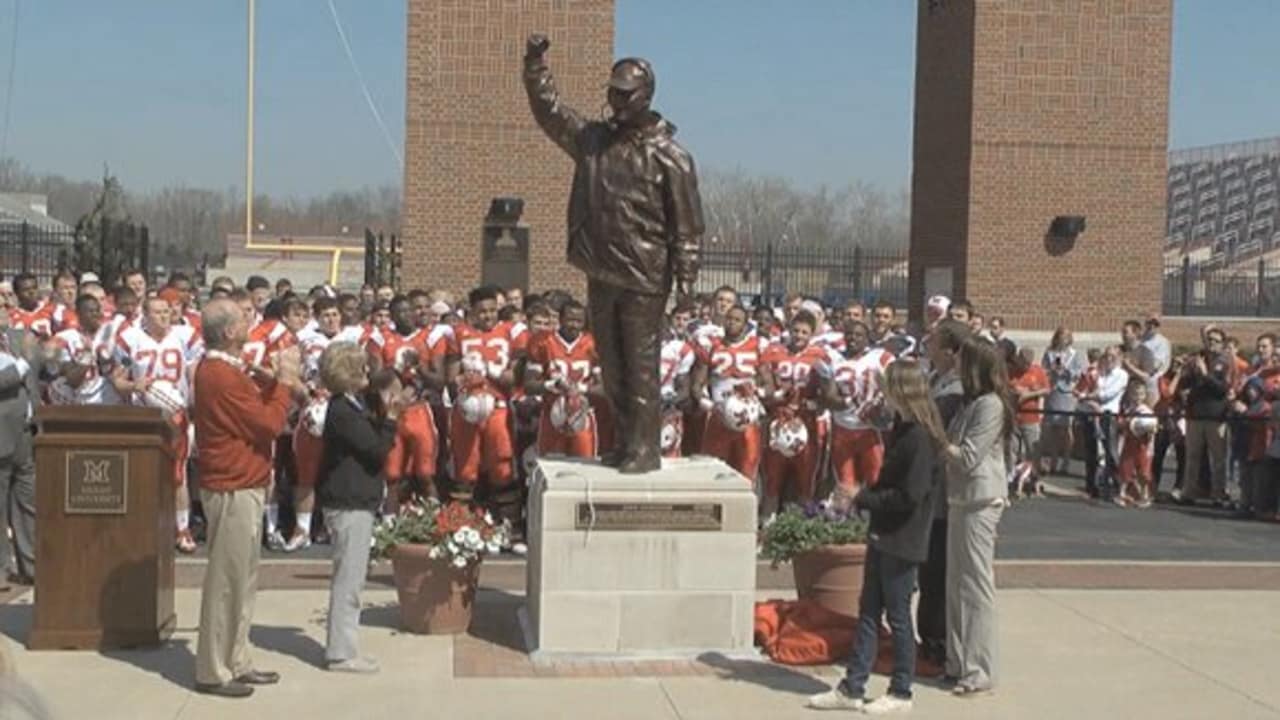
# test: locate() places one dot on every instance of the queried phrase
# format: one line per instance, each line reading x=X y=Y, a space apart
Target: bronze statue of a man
x=635 y=228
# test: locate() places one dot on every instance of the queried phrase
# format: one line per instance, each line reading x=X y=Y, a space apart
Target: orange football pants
x=181 y=447
x=483 y=448
x=801 y=471
x=554 y=442
x=741 y=450
x=856 y=456
x=413 y=454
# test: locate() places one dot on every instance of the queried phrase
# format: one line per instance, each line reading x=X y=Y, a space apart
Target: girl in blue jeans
x=901 y=508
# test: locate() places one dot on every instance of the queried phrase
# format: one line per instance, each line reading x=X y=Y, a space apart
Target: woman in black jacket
x=901 y=504
x=357 y=438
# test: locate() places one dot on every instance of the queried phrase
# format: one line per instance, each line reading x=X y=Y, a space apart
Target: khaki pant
x=230 y=584
x=351 y=532
x=1206 y=436
x=971 y=594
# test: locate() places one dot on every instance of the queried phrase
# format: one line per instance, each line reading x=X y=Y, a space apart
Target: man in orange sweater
x=238 y=419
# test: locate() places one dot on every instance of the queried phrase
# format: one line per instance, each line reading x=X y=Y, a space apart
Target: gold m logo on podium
x=97 y=482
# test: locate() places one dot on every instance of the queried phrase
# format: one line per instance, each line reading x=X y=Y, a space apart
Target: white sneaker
x=834 y=699
x=887 y=705
x=299 y=541
x=520 y=549
x=360 y=665
x=275 y=541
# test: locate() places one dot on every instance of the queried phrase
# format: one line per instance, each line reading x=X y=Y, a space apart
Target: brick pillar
x=1026 y=110
x=469 y=136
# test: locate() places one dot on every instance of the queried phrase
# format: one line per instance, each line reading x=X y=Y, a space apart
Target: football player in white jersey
x=85 y=358
x=850 y=384
x=155 y=362
x=308 y=448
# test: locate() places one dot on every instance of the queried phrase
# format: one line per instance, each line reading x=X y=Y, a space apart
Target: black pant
x=931 y=614
x=626 y=326
x=1164 y=441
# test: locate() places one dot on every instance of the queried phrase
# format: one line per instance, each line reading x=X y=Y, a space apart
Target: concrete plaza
x=1065 y=654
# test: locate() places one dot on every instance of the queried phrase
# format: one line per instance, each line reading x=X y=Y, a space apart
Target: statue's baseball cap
x=629 y=74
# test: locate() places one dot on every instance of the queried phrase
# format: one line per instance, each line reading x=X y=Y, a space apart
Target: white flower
x=472 y=537
x=436 y=552
x=459 y=562
x=488 y=519
x=493 y=548
x=460 y=535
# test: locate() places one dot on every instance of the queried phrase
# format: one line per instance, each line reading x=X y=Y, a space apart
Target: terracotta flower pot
x=435 y=597
x=831 y=576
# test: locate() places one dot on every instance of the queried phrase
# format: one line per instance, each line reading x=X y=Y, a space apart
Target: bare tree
x=186 y=223
x=753 y=211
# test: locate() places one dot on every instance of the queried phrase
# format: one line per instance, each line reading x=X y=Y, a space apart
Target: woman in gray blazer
x=977 y=491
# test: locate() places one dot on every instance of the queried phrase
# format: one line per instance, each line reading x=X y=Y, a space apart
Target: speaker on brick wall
x=1062 y=234
x=505 y=211
x=1067 y=226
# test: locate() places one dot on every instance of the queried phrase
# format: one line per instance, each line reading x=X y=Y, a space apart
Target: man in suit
x=20 y=362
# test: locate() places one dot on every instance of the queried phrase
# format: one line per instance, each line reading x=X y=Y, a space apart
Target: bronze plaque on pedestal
x=504 y=258
x=97 y=483
x=649 y=516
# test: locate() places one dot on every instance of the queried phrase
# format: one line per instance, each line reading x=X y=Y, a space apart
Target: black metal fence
x=381 y=259
x=30 y=248
x=833 y=275
x=1218 y=289
x=108 y=250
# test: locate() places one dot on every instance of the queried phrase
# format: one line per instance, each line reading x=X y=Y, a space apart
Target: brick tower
x=1027 y=110
x=469 y=136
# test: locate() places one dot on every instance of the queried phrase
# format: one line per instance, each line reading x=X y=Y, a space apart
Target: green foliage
x=797 y=530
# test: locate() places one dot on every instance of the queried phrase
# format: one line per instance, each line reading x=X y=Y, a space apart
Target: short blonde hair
x=343 y=368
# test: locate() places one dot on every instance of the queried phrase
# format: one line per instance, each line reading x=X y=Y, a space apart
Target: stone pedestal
x=662 y=564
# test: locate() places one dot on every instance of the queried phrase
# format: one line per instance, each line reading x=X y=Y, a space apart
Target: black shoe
x=232 y=689
x=21 y=579
x=259 y=677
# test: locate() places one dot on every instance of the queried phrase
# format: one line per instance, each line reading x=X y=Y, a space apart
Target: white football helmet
x=1144 y=426
x=789 y=437
x=164 y=395
x=313 y=416
x=569 y=413
x=477 y=405
x=738 y=411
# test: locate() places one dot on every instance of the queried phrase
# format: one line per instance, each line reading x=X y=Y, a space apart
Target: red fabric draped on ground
x=802 y=632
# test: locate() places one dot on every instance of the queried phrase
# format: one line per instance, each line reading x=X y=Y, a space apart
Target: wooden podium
x=104 y=527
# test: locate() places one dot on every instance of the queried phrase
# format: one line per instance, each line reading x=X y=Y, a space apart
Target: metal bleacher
x=1224 y=198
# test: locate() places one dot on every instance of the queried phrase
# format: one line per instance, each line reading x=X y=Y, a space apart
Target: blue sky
x=815 y=90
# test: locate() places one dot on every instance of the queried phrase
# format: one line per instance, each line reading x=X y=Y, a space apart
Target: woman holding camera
x=358 y=433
